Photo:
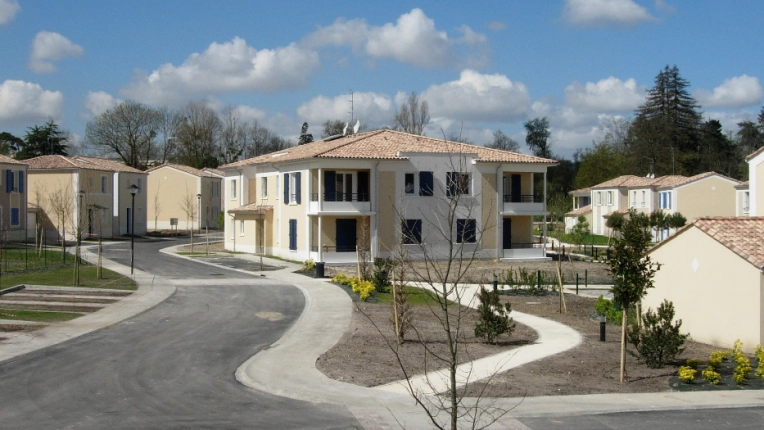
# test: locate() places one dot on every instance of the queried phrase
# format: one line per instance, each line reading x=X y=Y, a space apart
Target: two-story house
x=755 y=189
x=13 y=202
x=386 y=189
x=86 y=192
x=183 y=197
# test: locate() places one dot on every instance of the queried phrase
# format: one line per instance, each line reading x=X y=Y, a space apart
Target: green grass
x=19 y=259
x=37 y=316
x=589 y=239
x=63 y=276
x=417 y=296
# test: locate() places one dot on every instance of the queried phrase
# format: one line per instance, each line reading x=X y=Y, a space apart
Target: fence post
x=576 y=283
x=538 y=279
x=586 y=278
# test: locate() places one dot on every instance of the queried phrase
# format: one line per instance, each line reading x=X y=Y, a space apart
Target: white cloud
x=739 y=91
x=225 y=67
x=25 y=101
x=412 y=39
x=98 y=102
x=249 y=113
x=371 y=108
x=48 y=47
x=602 y=13
x=8 y=9
x=479 y=97
x=496 y=25
x=607 y=95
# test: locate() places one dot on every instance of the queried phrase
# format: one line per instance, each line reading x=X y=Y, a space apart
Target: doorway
x=507 y=233
x=346 y=235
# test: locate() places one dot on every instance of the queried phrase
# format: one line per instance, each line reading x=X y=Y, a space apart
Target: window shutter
x=297 y=187
x=330 y=185
x=293 y=234
x=21 y=181
x=286 y=188
x=363 y=186
x=8 y=181
x=425 y=184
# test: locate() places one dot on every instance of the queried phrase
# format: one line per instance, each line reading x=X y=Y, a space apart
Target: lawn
x=63 y=276
x=589 y=239
x=417 y=296
x=37 y=316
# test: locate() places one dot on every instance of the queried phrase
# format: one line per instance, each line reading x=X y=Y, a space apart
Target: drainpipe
x=373 y=204
x=499 y=224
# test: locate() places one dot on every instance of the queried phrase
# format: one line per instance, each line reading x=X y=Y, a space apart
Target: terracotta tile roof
x=682 y=180
x=742 y=186
x=252 y=208
x=755 y=153
x=52 y=162
x=586 y=190
x=215 y=172
x=8 y=160
x=186 y=169
x=387 y=145
x=580 y=211
x=743 y=235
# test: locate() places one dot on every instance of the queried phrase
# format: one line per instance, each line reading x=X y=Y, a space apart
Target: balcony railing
x=341 y=197
x=523 y=198
x=328 y=248
x=526 y=245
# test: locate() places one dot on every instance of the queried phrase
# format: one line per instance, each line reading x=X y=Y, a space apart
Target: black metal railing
x=523 y=198
x=332 y=248
x=341 y=197
x=526 y=245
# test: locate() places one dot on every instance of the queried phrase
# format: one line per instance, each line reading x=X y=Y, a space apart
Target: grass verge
x=417 y=296
x=37 y=316
x=64 y=276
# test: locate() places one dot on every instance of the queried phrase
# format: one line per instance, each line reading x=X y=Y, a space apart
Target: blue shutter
x=8 y=181
x=286 y=188
x=330 y=185
x=15 y=216
x=425 y=184
x=297 y=187
x=292 y=234
x=21 y=181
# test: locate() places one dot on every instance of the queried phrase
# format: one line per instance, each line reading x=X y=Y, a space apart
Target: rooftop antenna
x=351 y=105
x=345 y=129
x=356 y=126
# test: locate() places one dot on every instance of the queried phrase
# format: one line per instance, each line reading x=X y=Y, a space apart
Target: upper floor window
x=233 y=189
x=458 y=183
x=664 y=200
x=263 y=188
x=633 y=199
x=643 y=198
x=408 y=180
x=104 y=184
x=599 y=198
x=746 y=205
x=292 y=188
x=610 y=198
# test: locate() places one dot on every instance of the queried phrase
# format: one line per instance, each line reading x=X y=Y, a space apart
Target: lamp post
x=133 y=189
x=199 y=211
x=77 y=259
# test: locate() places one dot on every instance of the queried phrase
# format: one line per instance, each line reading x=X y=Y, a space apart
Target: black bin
x=320 y=269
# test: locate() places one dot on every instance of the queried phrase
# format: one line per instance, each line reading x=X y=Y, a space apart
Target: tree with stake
x=632 y=269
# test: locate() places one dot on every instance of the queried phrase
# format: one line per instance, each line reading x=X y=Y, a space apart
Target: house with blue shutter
x=13 y=203
x=386 y=191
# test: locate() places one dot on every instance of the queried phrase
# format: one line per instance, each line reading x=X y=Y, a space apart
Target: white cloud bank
x=25 y=101
x=8 y=9
x=479 y=97
x=371 y=108
x=603 y=13
x=412 y=39
x=48 y=47
x=607 y=95
x=225 y=67
x=98 y=102
x=739 y=91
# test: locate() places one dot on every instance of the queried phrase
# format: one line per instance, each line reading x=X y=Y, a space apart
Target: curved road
x=170 y=367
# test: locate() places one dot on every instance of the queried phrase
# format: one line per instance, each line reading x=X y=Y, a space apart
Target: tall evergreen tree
x=537 y=137
x=9 y=143
x=43 y=140
x=665 y=132
x=305 y=137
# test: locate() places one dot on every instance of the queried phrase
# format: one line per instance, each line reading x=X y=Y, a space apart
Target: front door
x=507 y=236
x=346 y=235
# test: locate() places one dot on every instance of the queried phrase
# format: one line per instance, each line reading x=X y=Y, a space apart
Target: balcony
x=522 y=251
x=523 y=204
x=334 y=254
x=340 y=202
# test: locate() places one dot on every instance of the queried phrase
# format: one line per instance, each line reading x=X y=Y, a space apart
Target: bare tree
x=61 y=204
x=413 y=116
x=233 y=135
x=198 y=134
x=157 y=205
x=168 y=127
x=188 y=205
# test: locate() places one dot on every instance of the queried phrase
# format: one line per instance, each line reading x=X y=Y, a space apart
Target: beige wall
x=386 y=216
x=170 y=188
x=124 y=201
x=294 y=211
x=14 y=200
x=522 y=230
x=716 y=294
x=488 y=210
x=709 y=197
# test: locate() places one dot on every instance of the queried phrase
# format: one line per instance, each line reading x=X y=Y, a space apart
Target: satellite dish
x=356 y=126
x=345 y=130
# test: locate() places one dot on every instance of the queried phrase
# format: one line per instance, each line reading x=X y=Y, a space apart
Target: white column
x=320 y=235
x=545 y=212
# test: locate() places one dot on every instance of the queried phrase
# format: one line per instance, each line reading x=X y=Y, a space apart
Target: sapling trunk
x=623 y=344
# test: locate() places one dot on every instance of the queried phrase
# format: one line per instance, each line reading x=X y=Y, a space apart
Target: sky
x=481 y=66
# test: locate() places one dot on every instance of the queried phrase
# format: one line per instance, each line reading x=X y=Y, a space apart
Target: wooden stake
x=563 y=305
x=623 y=345
x=395 y=311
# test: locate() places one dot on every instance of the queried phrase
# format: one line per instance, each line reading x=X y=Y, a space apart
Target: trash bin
x=319 y=269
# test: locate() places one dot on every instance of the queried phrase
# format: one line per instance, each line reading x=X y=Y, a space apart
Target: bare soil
x=365 y=358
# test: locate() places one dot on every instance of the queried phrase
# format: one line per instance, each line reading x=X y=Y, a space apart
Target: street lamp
x=199 y=211
x=77 y=258
x=133 y=189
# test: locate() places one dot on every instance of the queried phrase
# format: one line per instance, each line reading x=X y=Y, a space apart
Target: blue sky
x=481 y=67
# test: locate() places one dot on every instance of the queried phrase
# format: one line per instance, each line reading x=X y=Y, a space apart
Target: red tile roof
x=55 y=162
x=8 y=160
x=187 y=169
x=388 y=145
x=580 y=211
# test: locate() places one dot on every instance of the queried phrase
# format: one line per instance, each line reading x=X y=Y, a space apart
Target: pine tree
x=305 y=137
x=43 y=140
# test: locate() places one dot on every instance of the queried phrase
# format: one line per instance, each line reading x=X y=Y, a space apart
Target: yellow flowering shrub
x=362 y=288
x=687 y=374
x=713 y=377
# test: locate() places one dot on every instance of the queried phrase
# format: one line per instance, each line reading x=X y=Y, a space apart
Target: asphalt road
x=170 y=367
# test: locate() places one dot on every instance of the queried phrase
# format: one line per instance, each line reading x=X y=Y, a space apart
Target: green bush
x=743 y=364
x=308 y=265
x=760 y=357
x=716 y=359
x=687 y=374
x=494 y=317
x=221 y=221
x=606 y=307
x=658 y=340
x=381 y=276
x=712 y=376
x=693 y=363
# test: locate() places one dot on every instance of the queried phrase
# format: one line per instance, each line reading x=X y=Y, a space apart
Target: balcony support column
x=320 y=193
x=320 y=235
x=543 y=238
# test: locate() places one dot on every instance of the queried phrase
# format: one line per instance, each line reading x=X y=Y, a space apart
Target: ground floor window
x=14 y=216
x=412 y=231
x=465 y=230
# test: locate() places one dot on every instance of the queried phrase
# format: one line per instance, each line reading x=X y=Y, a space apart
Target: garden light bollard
x=602 y=328
x=586 y=278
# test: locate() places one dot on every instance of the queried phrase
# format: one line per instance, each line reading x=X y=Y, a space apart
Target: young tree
x=503 y=142
x=43 y=140
x=233 y=135
x=61 y=204
x=632 y=269
x=537 y=137
x=580 y=230
x=413 y=116
x=305 y=137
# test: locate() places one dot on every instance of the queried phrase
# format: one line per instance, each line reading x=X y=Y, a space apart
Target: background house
x=712 y=270
x=104 y=208
x=321 y=199
x=13 y=201
x=756 y=182
x=173 y=193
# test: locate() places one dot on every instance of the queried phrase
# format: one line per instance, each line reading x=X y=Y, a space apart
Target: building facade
x=183 y=197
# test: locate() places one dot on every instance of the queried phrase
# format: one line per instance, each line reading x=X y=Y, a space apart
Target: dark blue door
x=346 y=235
x=507 y=233
x=516 y=189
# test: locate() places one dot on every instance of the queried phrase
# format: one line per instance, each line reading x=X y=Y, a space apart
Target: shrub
x=606 y=307
x=494 y=317
x=341 y=279
x=743 y=364
x=308 y=265
x=712 y=376
x=659 y=339
x=687 y=374
x=716 y=359
x=693 y=363
x=760 y=357
x=364 y=289
x=381 y=276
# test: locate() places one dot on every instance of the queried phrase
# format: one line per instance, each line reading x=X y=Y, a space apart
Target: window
x=9 y=181
x=233 y=189
x=664 y=200
x=241 y=228
x=263 y=188
x=610 y=198
x=140 y=187
x=104 y=184
x=21 y=181
x=412 y=231
x=599 y=198
x=458 y=183
x=465 y=230
x=14 y=216
x=292 y=182
x=643 y=198
x=293 y=235
x=409 y=183
x=746 y=205
x=633 y=199
x=425 y=184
